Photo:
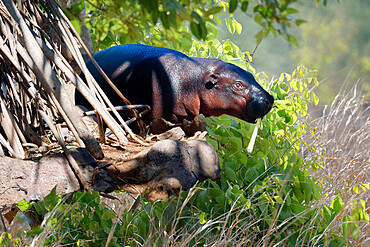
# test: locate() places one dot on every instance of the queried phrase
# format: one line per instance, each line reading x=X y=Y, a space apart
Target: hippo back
x=140 y=72
x=125 y=58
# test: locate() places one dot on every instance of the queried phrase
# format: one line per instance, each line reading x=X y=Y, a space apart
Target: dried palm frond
x=39 y=60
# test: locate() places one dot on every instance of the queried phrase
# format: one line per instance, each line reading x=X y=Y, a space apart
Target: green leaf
x=316 y=81
x=258 y=18
x=315 y=99
x=350 y=227
x=76 y=25
x=198 y=28
x=202 y=218
x=24 y=205
x=230 y=25
x=365 y=186
x=292 y=40
x=291 y=11
x=259 y=37
x=35 y=231
x=39 y=207
x=299 y=22
x=356 y=189
x=165 y=20
x=356 y=231
x=51 y=200
x=203 y=30
x=195 y=30
x=215 y=192
x=203 y=200
x=94 y=226
x=196 y=16
x=238 y=26
x=232 y=5
x=170 y=5
x=244 y=6
x=317 y=192
x=337 y=205
x=346 y=227
x=358 y=210
x=230 y=173
x=307 y=186
x=213 y=10
x=107 y=215
x=298 y=190
x=281 y=93
x=76 y=8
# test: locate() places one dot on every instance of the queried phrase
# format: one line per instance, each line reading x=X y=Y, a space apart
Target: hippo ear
x=212 y=80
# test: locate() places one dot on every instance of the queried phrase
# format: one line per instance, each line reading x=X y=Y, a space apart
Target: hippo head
x=231 y=90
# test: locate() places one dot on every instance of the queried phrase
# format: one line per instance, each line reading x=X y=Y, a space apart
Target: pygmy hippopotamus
x=179 y=87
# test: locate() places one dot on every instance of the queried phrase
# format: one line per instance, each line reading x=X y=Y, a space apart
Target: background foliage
x=162 y=22
x=333 y=40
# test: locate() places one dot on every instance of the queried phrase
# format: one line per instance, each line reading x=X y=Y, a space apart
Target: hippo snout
x=262 y=103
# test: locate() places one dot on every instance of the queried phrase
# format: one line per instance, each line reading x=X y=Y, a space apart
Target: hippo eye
x=238 y=85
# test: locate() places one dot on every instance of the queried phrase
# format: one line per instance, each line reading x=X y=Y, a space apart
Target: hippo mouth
x=256 y=114
x=250 y=120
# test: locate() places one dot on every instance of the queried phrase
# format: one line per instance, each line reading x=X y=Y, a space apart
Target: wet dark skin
x=179 y=87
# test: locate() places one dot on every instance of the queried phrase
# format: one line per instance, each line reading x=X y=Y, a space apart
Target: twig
x=10 y=131
x=4 y=142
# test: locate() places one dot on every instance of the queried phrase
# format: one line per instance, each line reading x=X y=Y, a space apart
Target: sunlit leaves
x=170 y=22
x=276 y=18
x=233 y=25
x=24 y=205
x=164 y=23
x=275 y=173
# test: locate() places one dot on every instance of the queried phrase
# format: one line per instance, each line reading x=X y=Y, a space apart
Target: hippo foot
x=197 y=124
x=160 y=125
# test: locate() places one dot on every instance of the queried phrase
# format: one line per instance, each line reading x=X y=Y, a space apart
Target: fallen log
x=160 y=170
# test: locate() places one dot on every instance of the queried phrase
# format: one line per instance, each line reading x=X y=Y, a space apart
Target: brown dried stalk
x=39 y=55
